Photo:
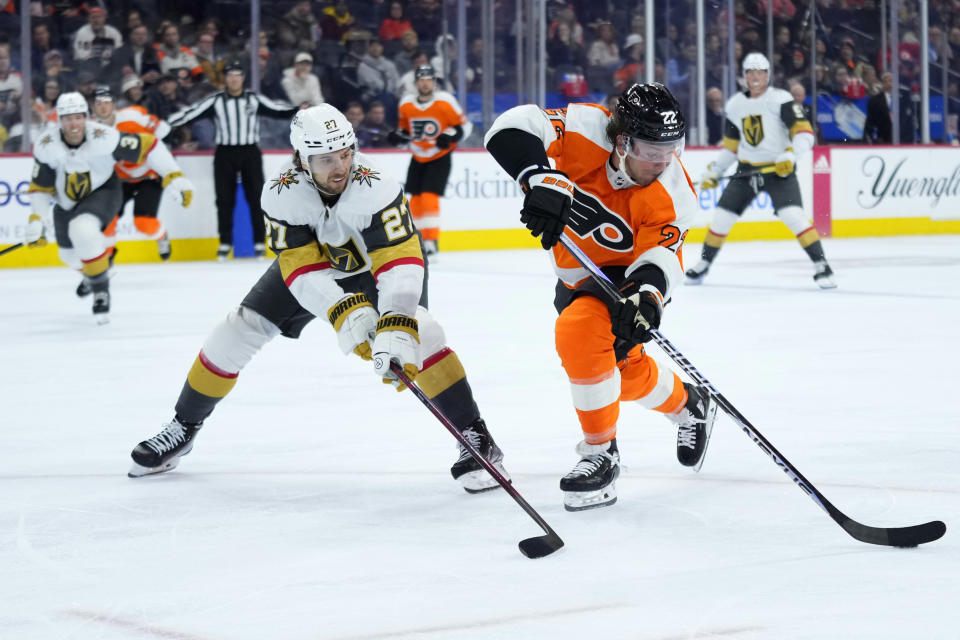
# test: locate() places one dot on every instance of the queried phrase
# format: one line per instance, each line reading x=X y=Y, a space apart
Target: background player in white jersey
x=74 y=167
x=347 y=252
x=140 y=183
x=766 y=131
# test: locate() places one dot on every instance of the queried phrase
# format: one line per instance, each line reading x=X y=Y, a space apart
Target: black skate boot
x=591 y=483
x=101 y=306
x=696 y=273
x=694 y=425
x=163 y=451
x=84 y=289
x=468 y=471
x=163 y=247
x=824 y=275
x=223 y=252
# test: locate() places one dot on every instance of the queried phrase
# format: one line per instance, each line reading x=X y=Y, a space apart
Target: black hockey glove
x=398 y=137
x=546 y=207
x=444 y=140
x=634 y=316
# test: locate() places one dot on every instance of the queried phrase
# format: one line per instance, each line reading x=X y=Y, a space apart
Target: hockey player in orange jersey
x=140 y=183
x=432 y=123
x=618 y=185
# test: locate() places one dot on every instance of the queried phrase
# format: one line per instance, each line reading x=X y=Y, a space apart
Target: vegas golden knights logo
x=346 y=257
x=78 y=185
x=753 y=129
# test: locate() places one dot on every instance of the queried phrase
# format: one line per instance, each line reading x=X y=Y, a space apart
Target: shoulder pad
x=287 y=196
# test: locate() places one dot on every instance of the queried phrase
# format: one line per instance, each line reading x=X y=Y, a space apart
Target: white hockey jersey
x=73 y=173
x=367 y=229
x=760 y=129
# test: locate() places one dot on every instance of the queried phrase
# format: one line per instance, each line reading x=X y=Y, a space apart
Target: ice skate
x=163 y=247
x=259 y=250
x=101 y=307
x=696 y=273
x=430 y=248
x=824 y=275
x=468 y=471
x=223 y=252
x=694 y=425
x=591 y=483
x=84 y=289
x=163 y=451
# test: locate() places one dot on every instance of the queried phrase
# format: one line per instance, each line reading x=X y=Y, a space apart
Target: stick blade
x=540 y=546
x=898 y=536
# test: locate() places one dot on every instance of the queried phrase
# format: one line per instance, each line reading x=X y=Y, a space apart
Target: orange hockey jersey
x=627 y=227
x=425 y=121
x=136 y=119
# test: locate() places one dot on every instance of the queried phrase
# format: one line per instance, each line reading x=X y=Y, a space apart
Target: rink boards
x=849 y=191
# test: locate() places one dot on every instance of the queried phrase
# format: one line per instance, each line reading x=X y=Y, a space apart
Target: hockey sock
x=149 y=226
x=206 y=385
x=444 y=380
x=711 y=246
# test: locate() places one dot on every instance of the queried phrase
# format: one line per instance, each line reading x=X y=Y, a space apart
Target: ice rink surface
x=317 y=503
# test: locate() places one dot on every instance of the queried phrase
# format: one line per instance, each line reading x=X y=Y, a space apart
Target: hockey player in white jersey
x=766 y=132
x=348 y=252
x=74 y=170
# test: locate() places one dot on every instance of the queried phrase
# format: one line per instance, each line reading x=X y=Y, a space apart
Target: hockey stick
x=893 y=537
x=12 y=247
x=537 y=547
x=746 y=174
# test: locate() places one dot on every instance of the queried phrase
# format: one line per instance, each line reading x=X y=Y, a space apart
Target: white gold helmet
x=70 y=103
x=756 y=61
x=318 y=130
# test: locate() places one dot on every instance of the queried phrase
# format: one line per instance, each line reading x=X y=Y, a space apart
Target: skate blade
x=826 y=282
x=693 y=280
x=138 y=471
x=102 y=318
x=583 y=500
x=480 y=481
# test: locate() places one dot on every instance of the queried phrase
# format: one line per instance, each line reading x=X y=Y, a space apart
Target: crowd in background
x=360 y=55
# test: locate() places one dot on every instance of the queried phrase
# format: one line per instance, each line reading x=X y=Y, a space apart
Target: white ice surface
x=317 y=503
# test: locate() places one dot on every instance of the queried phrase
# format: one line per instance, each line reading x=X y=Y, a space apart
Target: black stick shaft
x=12 y=247
x=446 y=422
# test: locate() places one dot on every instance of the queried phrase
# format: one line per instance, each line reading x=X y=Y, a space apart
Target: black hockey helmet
x=649 y=112
x=424 y=71
x=103 y=92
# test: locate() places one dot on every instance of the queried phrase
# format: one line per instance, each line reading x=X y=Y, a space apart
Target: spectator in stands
x=211 y=61
x=409 y=48
x=300 y=84
x=354 y=113
x=781 y=42
x=297 y=29
x=795 y=64
x=134 y=20
x=870 y=80
x=163 y=99
x=137 y=56
x=40 y=44
x=378 y=76
x=847 y=56
x=373 y=130
x=878 y=128
x=715 y=118
x=562 y=50
x=566 y=15
x=87 y=84
x=446 y=58
x=46 y=103
x=632 y=69
x=336 y=21
x=211 y=27
x=474 y=71
x=11 y=88
x=96 y=40
x=603 y=50
x=53 y=68
x=176 y=59
x=427 y=16
x=395 y=24
x=132 y=91
x=270 y=77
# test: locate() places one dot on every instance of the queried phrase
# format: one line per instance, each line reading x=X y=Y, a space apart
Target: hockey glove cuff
x=33 y=234
x=355 y=321
x=784 y=164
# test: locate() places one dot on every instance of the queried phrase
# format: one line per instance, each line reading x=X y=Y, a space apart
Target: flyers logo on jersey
x=346 y=257
x=424 y=128
x=78 y=185
x=588 y=216
x=753 y=129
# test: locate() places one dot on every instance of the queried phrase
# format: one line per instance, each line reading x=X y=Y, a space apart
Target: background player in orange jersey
x=618 y=184
x=431 y=123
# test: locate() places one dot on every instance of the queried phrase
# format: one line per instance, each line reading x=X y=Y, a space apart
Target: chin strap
x=618 y=176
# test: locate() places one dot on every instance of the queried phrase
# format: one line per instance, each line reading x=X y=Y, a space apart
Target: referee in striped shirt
x=236 y=113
